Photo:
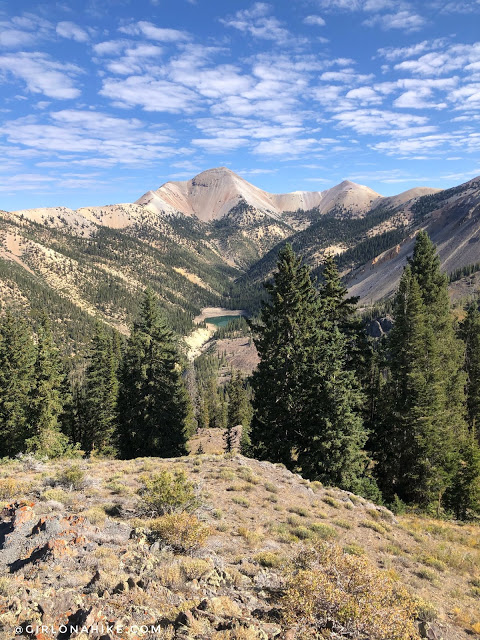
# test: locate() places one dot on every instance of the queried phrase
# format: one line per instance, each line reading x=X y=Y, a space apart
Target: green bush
x=323 y=531
x=73 y=477
x=165 y=492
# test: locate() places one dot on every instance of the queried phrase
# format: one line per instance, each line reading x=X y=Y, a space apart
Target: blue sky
x=102 y=100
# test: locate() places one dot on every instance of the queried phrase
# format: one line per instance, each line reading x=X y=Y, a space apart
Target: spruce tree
x=470 y=332
x=238 y=410
x=46 y=396
x=417 y=442
x=101 y=395
x=153 y=403
x=285 y=338
x=333 y=437
x=463 y=495
x=17 y=359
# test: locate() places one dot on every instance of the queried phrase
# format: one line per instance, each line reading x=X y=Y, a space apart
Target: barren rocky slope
x=73 y=551
x=452 y=219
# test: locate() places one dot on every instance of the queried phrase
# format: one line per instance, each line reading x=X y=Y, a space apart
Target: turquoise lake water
x=221 y=321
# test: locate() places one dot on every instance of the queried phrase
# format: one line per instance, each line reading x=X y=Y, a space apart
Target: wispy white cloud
x=42 y=74
x=364 y=95
x=396 y=53
x=405 y=20
x=90 y=138
x=286 y=148
x=378 y=122
x=314 y=20
x=150 y=94
x=462 y=6
x=152 y=32
x=218 y=145
x=23 y=31
x=72 y=31
x=442 y=62
x=258 y=23
x=418 y=99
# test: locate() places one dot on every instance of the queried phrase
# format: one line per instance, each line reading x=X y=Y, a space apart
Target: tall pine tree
x=285 y=338
x=470 y=332
x=46 y=396
x=101 y=395
x=416 y=445
x=153 y=403
x=239 y=411
x=17 y=359
x=333 y=437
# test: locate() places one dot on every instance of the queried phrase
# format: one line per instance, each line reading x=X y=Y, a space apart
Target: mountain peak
x=211 y=194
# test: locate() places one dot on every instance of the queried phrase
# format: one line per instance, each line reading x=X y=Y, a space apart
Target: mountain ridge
x=225 y=189
x=94 y=262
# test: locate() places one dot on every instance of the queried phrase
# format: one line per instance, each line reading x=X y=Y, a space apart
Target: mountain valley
x=213 y=241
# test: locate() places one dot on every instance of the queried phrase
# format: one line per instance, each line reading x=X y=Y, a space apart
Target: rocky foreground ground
x=78 y=559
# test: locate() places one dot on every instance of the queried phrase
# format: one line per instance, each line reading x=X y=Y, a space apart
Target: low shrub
x=268 y=559
x=332 y=502
x=375 y=526
x=182 y=531
x=165 y=493
x=58 y=495
x=354 y=549
x=10 y=488
x=272 y=488
x=95 y=515
x=303 y=533
x=195 y=568
x=301 y=511
x=347 y=595
x=241 y=501
x=323 y=531
x=72 y=478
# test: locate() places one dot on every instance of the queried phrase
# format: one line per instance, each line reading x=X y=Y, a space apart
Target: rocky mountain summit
x=214 y=193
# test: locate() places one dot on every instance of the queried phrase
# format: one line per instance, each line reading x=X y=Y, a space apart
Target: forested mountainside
x=94 y=262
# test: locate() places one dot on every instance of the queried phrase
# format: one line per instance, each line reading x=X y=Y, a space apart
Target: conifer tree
x=101 y=395
x=285 y=338
x=417 y=443
x=463 y=495
x=333 y=437
x=17 y=358
x=46 y=396
x=153 y=403
x=470 y=332
x=238 y=410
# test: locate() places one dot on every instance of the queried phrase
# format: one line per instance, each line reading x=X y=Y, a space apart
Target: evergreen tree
x=470 y=332
x=285 y=338
x=333 y=437
x=17 y=359
x=238 y=410
x=416 y=445
x=337 y=307
x=463 y=496
x=101 y=395
x=153 y=403
x=46 y=397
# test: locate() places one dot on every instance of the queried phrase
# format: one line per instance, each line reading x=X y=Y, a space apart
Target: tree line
x=129 y=400
x=395 y=420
